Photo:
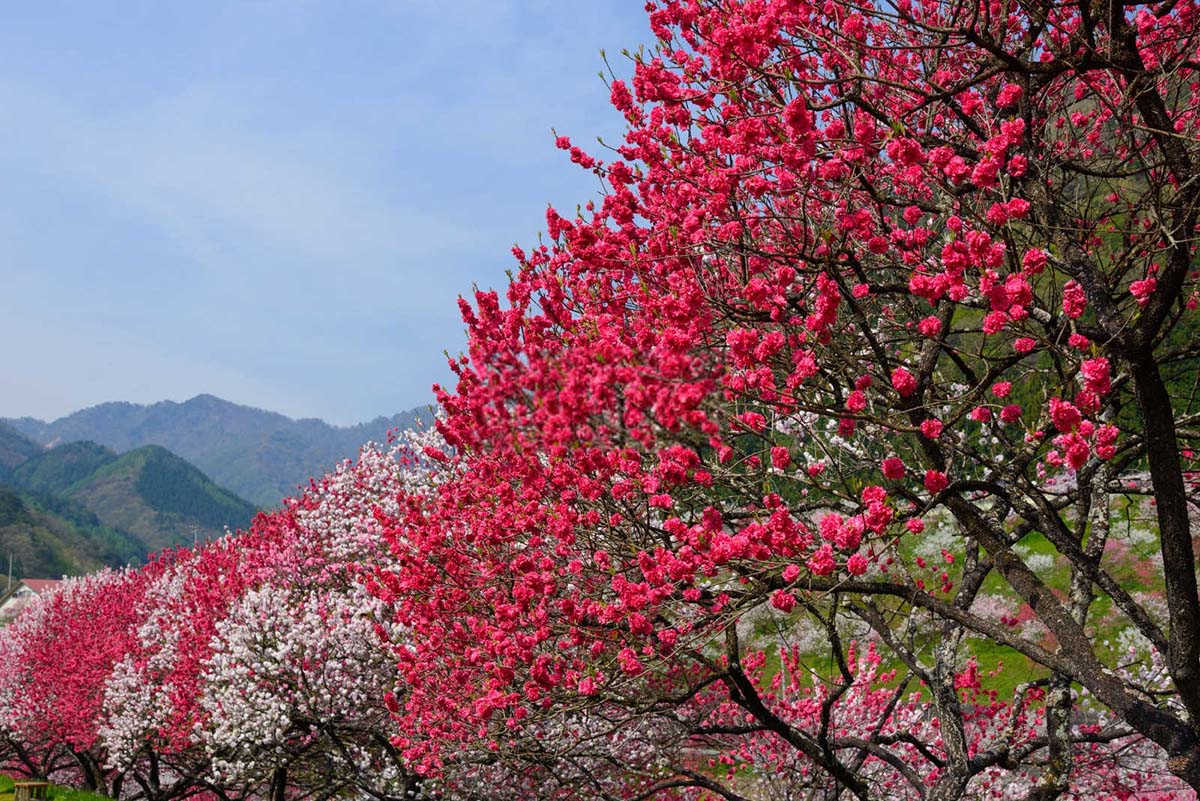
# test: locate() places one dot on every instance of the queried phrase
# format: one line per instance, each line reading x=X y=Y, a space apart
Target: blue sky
x=278 y=202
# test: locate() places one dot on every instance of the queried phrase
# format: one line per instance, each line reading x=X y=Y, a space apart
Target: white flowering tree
x=295 y=691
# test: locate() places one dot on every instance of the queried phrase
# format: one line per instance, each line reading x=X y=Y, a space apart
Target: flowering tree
x=295 y=688
x=151 y=710
x=54 y=662
x=864 y=271
x=843 y=449
x=254 y=665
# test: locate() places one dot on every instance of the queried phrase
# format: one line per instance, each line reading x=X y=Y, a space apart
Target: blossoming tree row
x=254 y=665
x=863 y=274
x=843 y=448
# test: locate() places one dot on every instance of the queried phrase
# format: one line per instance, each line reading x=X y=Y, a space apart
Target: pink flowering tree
x=255 y=665
x=54 y=662
x=864 y=273
x=152 y=711
x=843 y=448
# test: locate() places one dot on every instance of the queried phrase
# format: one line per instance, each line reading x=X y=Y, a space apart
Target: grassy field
x=55 y=792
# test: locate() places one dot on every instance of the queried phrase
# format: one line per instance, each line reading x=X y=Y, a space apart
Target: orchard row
x=844 y=447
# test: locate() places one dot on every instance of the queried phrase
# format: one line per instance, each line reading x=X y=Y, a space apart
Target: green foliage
x=161 y=499
x=57 y=469
x=172 y=486
x=57 y=793
x=12 y=509
x=15 y=448
x=53 y=793
x=78 y=506
x=50 y=536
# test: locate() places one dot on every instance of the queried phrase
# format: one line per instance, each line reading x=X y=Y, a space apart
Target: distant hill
x=15 y=448
x=160 y=499
x=149 y=493
x=262 y=456
x=56 y=469
x=48 y=536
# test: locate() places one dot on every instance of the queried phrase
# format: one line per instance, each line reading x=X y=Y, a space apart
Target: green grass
x=54 y=793
x=1004 y=669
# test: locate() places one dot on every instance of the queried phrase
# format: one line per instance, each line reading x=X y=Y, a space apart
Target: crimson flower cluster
x=843 y=447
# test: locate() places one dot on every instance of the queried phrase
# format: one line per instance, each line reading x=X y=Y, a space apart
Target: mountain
x=149 y=493
x=160 y=499
x=15 y=448
x=49 y=536
x=262 y=456
x=56 y=469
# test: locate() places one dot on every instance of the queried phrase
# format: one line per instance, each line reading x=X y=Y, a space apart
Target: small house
x=21 y=593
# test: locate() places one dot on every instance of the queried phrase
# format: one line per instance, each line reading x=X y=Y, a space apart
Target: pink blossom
x=1010 y=95
x=1010 y=413
x=629 y=662
x=821 y=563
x=1034 y=261
x=1141 y=290
x=1106 y=437
x=903 y=382
x=1073 y=299
x=1065 y=416
x=1096 y=376
x=893 y=468
x=1018 y=207
x=783 y=600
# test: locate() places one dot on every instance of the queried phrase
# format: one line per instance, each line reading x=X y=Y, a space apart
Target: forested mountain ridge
x=160 y=498
x=15 y=448
x=55 y=470
x=78 y=506
x=49 y=536
x=260 y=455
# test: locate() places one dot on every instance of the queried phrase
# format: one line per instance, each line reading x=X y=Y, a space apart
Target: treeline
x=802 y=465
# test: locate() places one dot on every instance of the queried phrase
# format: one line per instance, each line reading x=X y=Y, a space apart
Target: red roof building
x=21 y=594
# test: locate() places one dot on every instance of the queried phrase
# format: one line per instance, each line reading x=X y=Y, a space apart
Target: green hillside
x=48 y=536
x=148 y=495
x=262 y=456
x=161 y=499
x=15 y=448
x=57 y=469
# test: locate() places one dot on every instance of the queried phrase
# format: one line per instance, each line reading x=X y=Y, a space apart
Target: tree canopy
x=842 y=449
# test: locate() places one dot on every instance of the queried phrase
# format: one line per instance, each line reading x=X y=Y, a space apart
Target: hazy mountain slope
x=15 y=448
x=161 y=499
x=49 y=537
x=262 y=456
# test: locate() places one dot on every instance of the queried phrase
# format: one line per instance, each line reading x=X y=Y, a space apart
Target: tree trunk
x=1179 y=559
x=279 y=784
